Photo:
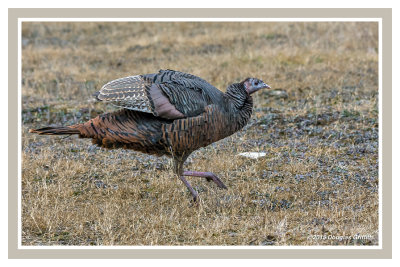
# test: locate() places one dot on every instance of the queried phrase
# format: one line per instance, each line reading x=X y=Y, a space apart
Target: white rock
x=253 y=155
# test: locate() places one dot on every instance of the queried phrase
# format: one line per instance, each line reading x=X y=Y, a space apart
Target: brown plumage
x=167 y=113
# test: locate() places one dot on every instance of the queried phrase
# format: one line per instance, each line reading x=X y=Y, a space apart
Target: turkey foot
x=208 y=175
x=192 y=191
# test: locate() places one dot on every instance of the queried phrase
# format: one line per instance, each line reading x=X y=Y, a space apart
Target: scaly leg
x=208 y=175
x=194 y=193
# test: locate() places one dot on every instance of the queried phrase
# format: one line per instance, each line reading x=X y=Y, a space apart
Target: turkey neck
x=239 y=105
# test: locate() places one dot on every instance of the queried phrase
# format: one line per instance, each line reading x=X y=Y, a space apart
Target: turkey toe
x=208 y=175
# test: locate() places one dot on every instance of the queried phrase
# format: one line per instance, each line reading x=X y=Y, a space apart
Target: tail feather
x=63 y=130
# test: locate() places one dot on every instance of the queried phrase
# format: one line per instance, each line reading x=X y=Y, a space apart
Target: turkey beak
x=264 y=85
x=259 y=87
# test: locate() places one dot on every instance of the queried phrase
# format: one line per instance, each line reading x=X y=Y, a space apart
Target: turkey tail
x=63 y=130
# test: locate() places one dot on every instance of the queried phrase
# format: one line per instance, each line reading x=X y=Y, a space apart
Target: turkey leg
x=208 y=175
x=194 y=193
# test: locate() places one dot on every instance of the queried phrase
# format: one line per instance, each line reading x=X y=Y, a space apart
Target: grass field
x=318 y=127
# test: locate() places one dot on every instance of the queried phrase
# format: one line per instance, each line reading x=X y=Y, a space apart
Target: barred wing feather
x=168 y=94
x=128 y=92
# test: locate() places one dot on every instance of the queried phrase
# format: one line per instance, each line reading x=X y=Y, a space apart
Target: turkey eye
x=256 y=83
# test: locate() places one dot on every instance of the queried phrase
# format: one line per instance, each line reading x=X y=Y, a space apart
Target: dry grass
x=320 y=175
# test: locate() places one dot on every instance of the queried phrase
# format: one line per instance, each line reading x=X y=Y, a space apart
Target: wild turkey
x=167 y=113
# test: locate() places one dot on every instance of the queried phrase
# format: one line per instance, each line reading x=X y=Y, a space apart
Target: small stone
x=277 y=93
x=253 y=155
x=232 y=234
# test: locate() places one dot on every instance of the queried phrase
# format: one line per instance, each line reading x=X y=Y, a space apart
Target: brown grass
x=320 y=175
